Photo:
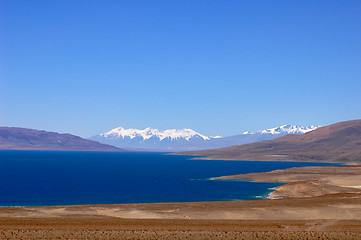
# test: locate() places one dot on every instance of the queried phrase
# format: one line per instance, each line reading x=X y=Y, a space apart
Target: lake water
x=39 y=178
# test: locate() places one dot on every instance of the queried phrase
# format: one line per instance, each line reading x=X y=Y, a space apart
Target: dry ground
x=110 y=228
x=327 y=217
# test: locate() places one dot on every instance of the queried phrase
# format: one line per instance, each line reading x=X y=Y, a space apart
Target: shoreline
x=308 y=181
x=296 y=183
x=302 y=208
x=310 y=207
x=262 y=194
x=265 y=177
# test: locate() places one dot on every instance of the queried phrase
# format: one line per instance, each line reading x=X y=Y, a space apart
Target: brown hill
x=31 y=139
x=340 y=142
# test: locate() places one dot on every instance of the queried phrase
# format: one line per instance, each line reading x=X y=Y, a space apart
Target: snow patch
x=216 y=137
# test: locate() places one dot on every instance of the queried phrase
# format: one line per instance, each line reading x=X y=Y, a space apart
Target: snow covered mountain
x=285 y=129
x=153 y=139
x=187 y=139
x=172 y=134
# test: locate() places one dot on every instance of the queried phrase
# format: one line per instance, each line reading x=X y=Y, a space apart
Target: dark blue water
x=38 y=178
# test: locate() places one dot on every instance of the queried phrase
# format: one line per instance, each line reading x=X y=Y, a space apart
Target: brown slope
x=340 y=142
x=31 y=139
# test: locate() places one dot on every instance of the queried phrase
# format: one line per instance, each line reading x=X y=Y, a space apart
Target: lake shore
x=309 y=181
x=314 y=202
x=317 y=202
x=332 y=216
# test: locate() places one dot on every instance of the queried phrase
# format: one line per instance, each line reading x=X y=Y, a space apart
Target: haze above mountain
x=339 y=142
x=187 y=139
x=31 y=139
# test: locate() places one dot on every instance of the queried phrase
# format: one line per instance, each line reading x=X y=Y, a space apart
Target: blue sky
x=218 y=67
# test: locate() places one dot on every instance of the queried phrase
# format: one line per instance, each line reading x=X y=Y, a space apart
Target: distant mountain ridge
x=31 y=139
x=150 y=139
x=149 y=133
x=339 y=143
x=288 y=129
x=187 y=139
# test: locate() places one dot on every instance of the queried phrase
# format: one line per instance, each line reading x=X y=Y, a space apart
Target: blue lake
x=39 y=178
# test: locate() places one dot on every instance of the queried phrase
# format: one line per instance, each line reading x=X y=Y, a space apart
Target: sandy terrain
x=334 y=216
x=309 y=181
x=344 y=206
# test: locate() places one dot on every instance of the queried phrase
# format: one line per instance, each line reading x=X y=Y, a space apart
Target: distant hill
x=31 y=139
x=187 y=139
x=340 y=142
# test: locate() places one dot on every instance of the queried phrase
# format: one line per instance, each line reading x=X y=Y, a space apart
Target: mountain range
x=172 y=140
x=31 y=139
x=339 y=143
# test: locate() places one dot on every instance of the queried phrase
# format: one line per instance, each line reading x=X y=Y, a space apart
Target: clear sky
x=219 y=67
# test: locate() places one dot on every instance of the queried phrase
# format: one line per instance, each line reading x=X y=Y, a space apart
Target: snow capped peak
x=288 y=129
x=186 y=139
x=149 y=132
